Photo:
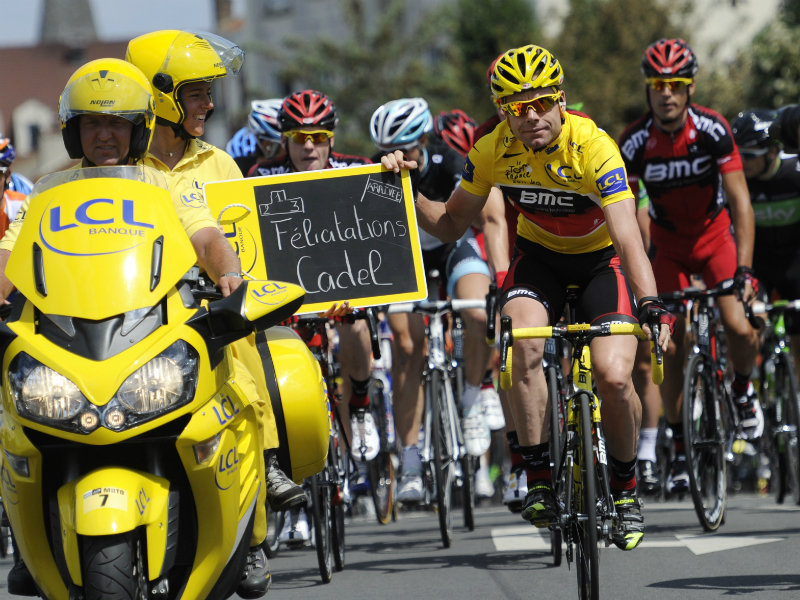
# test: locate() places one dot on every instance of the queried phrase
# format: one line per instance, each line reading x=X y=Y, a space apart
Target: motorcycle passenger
x=591 y=238
x=307 y=120
x=406 y=125
x=181 y=67
x=686 y=157
x=260 y=140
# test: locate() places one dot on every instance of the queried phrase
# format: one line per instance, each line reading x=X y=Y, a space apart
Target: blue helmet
x=399 y=124
x=243 y=143
x=7 y=152
x=263 y=119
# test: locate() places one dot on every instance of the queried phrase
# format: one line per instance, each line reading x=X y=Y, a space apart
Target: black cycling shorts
x=603 y=291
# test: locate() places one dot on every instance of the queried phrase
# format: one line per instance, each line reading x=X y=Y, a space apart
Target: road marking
x=706 y=544
x=527 y=537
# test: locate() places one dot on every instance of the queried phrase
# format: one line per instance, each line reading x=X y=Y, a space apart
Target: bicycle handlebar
x=779 y=306
x=727 y=287
x=580 y=332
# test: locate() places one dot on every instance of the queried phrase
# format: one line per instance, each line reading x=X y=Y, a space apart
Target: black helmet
x=751 y=128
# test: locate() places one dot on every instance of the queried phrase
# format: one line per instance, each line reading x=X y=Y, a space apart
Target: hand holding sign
x=345 y=235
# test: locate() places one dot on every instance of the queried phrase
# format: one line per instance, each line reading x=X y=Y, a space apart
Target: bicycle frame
x=588 y=507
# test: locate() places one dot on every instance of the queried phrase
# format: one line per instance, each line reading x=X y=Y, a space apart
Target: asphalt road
x=755 y=554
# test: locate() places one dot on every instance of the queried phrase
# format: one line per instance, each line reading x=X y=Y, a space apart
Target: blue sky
x=113 y=19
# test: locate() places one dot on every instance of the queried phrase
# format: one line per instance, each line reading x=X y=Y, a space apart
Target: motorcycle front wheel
x=114 y=568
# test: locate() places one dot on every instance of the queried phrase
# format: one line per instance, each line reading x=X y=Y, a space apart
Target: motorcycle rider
x=108 y=116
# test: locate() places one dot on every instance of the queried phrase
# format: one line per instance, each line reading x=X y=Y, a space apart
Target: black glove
x=743 y=276
x=653 y=312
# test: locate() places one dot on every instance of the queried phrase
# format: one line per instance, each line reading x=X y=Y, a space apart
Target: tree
x=600 y=49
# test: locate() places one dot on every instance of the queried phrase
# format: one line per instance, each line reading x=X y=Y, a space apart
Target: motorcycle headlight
x=161 y=383
x=41 y=393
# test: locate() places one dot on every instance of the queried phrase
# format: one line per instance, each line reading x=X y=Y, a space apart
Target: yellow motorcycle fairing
x=94 y=221
x=218 y=443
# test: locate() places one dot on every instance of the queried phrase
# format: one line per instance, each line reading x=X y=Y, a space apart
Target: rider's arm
x=735 y=186
x=217 y=258
x=6 y=287
x=495 y=231
x=624 y=232
x=446 y=221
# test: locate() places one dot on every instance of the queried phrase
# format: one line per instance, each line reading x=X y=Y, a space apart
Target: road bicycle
x=778 y=393
x=446 y=463
x=581 y=482
x=711 y=421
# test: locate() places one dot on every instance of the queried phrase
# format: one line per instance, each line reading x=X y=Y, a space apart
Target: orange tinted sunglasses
x=540 y=105
x=675 y=84
x=318 y=136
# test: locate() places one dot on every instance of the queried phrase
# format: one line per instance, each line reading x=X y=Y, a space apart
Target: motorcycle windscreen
x=99 y=242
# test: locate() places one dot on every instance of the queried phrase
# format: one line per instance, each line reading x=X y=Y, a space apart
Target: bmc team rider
x=406 y=125
x=686 y=157
x=588 y=237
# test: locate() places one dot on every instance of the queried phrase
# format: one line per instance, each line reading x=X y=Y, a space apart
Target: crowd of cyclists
x=537 y=198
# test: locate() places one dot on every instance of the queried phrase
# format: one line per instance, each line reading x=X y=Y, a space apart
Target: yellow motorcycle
x=132 y=462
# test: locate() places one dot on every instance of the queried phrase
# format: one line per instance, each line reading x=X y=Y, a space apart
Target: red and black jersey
x=682 y=171
x=284 y=165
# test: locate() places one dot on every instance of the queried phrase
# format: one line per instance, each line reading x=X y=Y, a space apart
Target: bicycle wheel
x=320 y=513
x=338 y=472
x=275 y=521
x=587 y=554
x=443 y=465
x=382 y=480
x=704 y=431
x=557 y=436
x=789 y=452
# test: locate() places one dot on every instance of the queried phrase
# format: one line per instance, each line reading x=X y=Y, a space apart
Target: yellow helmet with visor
x=172 y=58
x=524 y=68
x=107 y=86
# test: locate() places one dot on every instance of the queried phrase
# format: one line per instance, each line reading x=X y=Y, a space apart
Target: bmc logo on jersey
x=612 y=182
x=677 y=169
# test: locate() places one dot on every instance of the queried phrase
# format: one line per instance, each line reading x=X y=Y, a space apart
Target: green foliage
x=601 y=50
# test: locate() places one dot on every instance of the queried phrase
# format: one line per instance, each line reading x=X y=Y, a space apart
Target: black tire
x=443 y=466
x=558 y=433
x=114 y=568
x=587 y=554
x=275 y=521
x=704 y=429
x=382 y=478
x=320 y=514
x=786 y=389
x=338 y=472
x=467 y=463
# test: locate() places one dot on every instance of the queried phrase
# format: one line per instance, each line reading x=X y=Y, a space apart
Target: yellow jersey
x=559 y=190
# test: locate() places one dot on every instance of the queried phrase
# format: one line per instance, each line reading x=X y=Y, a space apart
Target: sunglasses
x=675 y=84
x=319 y=136
x=753 y=153
x=539 y=105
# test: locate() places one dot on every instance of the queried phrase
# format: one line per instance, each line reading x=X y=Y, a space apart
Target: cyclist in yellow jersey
x=576 y=225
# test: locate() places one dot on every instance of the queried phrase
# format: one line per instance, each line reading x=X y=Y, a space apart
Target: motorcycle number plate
x=107 y=497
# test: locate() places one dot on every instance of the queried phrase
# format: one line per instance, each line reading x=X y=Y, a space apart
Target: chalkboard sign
x=342 y=234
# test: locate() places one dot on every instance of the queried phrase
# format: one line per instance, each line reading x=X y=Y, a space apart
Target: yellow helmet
x=525 y=68
x=171 y=58
x=107 y=86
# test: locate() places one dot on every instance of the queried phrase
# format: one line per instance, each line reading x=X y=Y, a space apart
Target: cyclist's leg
x=607 y=297
x=468 y=277
x=355 y=360
x=742 y=338
x=648 y=476
x=532 y=306
x=408 y=356
x=672 y=273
